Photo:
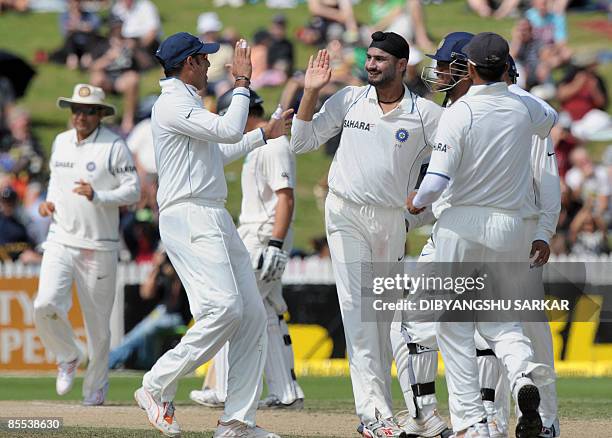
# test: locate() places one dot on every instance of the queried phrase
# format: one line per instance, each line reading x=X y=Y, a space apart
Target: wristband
x=276 y=242
x=242 y=78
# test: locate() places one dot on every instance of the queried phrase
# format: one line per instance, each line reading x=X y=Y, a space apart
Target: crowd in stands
x=114 y=43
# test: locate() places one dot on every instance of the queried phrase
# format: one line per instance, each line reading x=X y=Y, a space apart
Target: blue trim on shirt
x=238 y=93
x=439 y=174
x=263 y=134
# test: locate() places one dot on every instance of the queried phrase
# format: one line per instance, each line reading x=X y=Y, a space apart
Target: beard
x=382 y=78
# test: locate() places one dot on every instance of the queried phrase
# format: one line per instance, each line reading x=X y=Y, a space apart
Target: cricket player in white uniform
x=268 y=181
x=415 y=349
x=201 y=239
x=486 y=130
x=540 y=213
x=92 y=175
x=415 y=352
x=386 y=133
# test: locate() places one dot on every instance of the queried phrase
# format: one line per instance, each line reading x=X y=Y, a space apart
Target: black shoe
x=529 y=424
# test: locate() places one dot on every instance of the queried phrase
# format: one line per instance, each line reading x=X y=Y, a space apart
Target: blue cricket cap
x=451 y=46
x=179 y=46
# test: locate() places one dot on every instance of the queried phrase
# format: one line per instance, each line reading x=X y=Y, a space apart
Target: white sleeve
x=122 y=168
x=431 y=188
x=447 y=149
x=543 y=117
x=186 y=119
x=309 y=136
x=278 y=168
x=548 y=188
x=251 y=140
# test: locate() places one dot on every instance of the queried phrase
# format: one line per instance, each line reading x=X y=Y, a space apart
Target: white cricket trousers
x=359 y=236
x=478 y=234
x=215 y=269
x=279 y=368
x=95 y=275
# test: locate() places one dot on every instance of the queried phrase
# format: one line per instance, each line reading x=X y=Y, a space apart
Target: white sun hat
x=85 y=94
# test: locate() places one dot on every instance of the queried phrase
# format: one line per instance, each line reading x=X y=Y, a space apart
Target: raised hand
x=242 y=60
x=279 y=126
x=318 y=72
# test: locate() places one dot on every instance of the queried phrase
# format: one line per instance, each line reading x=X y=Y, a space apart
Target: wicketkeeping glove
x=273 y=261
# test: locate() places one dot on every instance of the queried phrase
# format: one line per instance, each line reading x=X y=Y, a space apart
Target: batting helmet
x=224 y=101
x=512 y=70
x=450 y=51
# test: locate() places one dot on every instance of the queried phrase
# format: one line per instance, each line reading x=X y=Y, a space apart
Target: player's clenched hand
x=83 y=188
x=410 y=206
x=279 y=126
x=272 y=262
x=541 y=251
x=46 y=208
x=318 y=72
x=242 y=60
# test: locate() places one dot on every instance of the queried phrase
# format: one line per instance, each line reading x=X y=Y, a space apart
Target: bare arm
x=284 y=213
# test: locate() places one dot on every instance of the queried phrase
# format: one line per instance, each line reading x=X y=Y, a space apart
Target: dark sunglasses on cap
x=86 y=110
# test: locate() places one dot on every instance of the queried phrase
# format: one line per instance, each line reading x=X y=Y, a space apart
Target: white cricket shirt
x=104 y=161
x=190 y=143
x=483 y=148
x=265 y=170
x=380 y=155
x=544 y=196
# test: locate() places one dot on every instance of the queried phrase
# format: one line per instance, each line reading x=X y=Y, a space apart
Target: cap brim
x=208 y=48
x=64 y=102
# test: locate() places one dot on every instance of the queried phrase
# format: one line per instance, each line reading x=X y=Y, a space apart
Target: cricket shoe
x=97 y=397
x=478 y=430
x=160 y=414
x=552 y=431
x=273 y=402
x=66 y=371
x=238 y=429
x=529 y=425
x=430 y=427
x=206 y=397
x=381 y=428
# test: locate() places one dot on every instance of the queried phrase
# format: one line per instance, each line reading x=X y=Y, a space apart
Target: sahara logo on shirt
x=356 y=124
x=440 y=147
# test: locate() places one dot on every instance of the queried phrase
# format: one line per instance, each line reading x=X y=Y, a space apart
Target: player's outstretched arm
x=317 y=76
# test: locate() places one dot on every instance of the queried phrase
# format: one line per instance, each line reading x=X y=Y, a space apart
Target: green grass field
x=24 y=34
x=579 y=399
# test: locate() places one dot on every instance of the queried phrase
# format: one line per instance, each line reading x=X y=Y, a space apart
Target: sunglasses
x=85 y=110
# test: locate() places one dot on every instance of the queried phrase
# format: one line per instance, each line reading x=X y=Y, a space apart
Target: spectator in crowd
x=404 y=17
x=116 y=71
x=14 y=238
x=14 y=5
x=37 y=226
x=570 y=206
x=329 y=17
x=163 y=286
x=219 y=81
x=262 y=75
x=141 y=23
x=588 y=182
x=493 y=8
x=588 y=234
x=280 y=53
x=80 y=31
x=582 y=90
x=7 y=101
x=140 y=226
x=21 y=154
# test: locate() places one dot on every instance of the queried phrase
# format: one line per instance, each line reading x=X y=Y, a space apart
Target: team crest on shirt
x=91 y=166
x=401 y=135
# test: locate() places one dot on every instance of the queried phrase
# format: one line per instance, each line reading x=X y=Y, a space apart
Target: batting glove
x=273 y=261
